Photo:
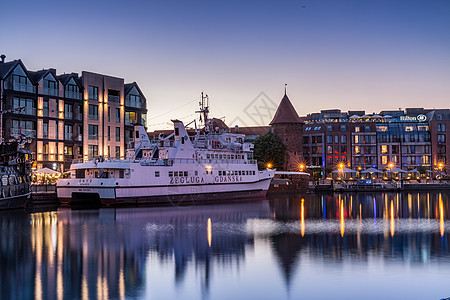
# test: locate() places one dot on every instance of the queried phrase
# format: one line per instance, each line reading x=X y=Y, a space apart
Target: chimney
x=3 y=56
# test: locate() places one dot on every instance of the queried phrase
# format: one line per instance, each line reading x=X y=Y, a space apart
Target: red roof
x=285 y=113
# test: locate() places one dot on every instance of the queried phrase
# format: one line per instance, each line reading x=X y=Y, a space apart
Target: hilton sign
x=418 y=118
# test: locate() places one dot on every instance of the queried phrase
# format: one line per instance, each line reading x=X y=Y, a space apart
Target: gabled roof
x=65 y=78
x=129 y=86
x=285 y=113
x=36 y=76
x=7 y=67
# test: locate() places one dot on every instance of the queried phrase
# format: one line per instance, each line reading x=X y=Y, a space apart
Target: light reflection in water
x=341 y=217
x=441 y=215
x=392 y=219
x=302 y=217
x=101 y=254
x=209 y=232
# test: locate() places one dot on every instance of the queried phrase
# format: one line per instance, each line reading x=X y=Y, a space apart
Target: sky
x=345 y=54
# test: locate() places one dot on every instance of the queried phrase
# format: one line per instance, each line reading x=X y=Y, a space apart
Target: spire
x=286 y=112
x=285 y=87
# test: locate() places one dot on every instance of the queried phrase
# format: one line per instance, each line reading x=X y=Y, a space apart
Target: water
x=349 y=246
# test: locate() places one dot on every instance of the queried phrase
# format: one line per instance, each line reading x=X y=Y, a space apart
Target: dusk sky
x=352 y=55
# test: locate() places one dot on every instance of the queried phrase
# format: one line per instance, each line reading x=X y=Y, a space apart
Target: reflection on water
x=277 y=248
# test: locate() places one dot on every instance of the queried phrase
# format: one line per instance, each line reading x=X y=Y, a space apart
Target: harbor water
x=302 y=246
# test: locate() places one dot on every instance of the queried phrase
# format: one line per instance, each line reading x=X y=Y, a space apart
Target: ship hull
x=116 y=195
x=19 y=201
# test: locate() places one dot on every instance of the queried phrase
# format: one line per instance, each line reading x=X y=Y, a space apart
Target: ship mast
x=204 y=110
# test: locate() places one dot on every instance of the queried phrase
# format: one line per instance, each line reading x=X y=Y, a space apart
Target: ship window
x=170 y=174
x=80 y=174
x=196 y=173
x=156 y=173
x=121 y=174
x=207 y=156
x=176 y=173
x=177 y=131
x=232 y=156
x=186 y=173
x=220 y=156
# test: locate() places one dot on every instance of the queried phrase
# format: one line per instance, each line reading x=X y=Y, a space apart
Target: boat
x=211 y=164
x=15 y=174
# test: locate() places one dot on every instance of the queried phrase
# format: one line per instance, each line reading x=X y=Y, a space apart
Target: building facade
x=407 y=139
x=68 y=116
x=414 y=138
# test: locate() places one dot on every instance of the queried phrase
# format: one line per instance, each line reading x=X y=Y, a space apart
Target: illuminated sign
x=418 y=118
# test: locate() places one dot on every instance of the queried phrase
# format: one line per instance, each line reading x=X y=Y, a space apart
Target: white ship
x=208 y=166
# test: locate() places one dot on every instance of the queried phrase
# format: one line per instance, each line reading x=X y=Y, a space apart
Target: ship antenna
x=204 y=109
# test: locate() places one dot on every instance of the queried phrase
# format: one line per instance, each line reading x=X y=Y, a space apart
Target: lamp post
x=391 y=166
x=440 y=167
x=341 y=169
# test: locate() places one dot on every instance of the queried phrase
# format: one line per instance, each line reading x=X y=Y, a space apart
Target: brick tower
x=287 y=125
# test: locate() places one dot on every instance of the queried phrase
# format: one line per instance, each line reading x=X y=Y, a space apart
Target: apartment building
x=68 y=116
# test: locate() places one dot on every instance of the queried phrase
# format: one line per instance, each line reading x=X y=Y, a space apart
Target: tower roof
x=285 y=113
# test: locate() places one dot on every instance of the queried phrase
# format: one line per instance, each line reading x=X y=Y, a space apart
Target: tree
x=269 y=149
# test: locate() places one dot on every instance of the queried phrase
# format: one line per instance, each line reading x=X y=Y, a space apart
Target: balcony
x=51 y=92
x=73 y=95
x=23 y=87
x=26 y=132
x=25 y=110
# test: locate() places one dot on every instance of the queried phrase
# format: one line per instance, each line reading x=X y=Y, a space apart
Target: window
x=68 y=150
x=441 y=128
x=80 y=112
x=384 y=160
x=93 y=92
x=329 y=128
x=329 y=139
x=109 y=133
x=68 y=111
x=93 y=112
x=93 y=132
x=384 y=149
x=367 y=128
x=28 y=106
x=68 y=132
x=56 y=131
x=92 y=151
x=130 y=118
x=117 y=115
x=113 y=96
x=20 y=81
x=343 y=128
x=109 y=114
x=117 y=151
x=45 y=108
x=336 y=139
x=344 y=149
x=329 y=149
x=356 y=128
x=50 y=86
x=133 y=99
x=356 y=139
x=357 y=150
x=156 y=173
x=45 y=130
x=441 y=138
x=343 y=139
x=117 y=134
x=72 y=90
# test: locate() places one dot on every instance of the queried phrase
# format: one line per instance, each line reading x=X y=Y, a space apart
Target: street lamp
x=391 y=166
x=440 y=167
x=269 y=165
x=301 y=167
